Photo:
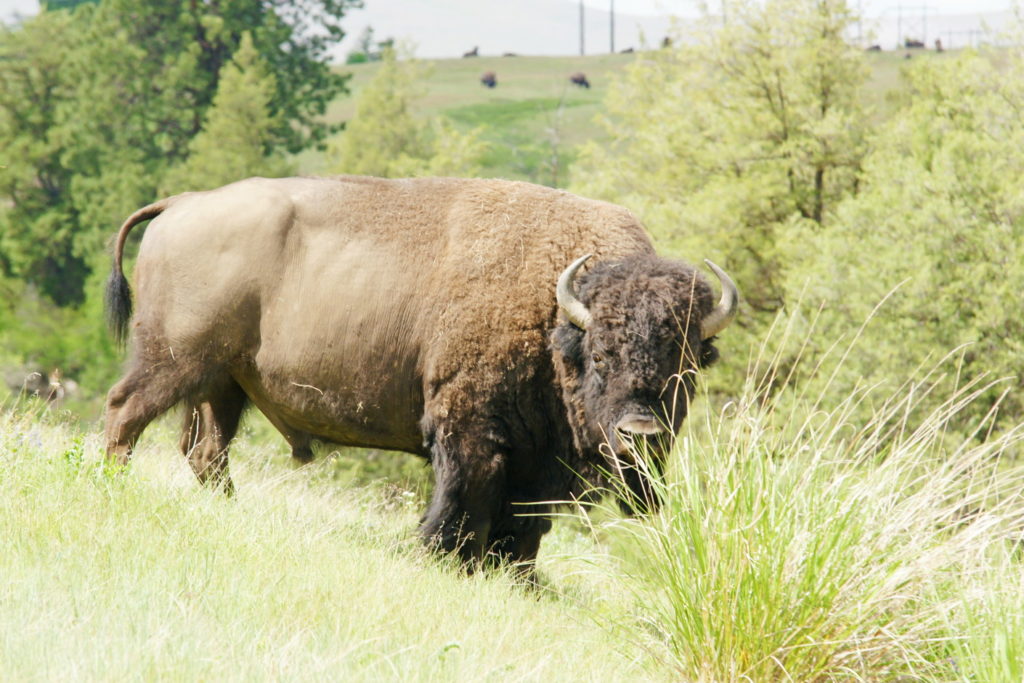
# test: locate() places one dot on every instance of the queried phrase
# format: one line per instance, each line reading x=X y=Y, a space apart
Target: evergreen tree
x=385 y=138
x=37 y=216
x=96 y=103
x=236 y=139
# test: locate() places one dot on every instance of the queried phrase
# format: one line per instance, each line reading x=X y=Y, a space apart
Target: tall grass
x=796 y=542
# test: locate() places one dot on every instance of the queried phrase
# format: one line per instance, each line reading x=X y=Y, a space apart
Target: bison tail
x=118 y=296
x=118 y=304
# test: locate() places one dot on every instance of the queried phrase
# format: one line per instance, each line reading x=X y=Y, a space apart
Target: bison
x=521 y=338
x=579 y=78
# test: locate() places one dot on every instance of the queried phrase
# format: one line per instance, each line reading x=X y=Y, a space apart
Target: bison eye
x=598 y=361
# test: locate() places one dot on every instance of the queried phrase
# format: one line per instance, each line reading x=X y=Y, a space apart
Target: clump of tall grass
x=797 y=542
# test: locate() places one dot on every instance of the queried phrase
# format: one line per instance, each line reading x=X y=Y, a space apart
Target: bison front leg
x=515 y=540
x=468 y=493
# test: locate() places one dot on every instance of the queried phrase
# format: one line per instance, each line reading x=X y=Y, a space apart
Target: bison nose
x=639 y=424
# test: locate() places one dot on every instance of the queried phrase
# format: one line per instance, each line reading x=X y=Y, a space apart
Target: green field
x=535 y=113
x=148 y=577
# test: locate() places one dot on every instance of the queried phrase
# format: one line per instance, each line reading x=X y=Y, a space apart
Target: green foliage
x=940 y=219
x=99 y=103
x=369 y=50
x=37 y=218
x=96 y=103
x=36 y=334
x=530 y=141
x=386 y=138
x=723 y=142
x=236 y=140
x=63 y=4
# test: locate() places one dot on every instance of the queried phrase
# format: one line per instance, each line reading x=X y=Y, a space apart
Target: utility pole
x=581 y=28
x=612 y=30
x=899 y=27
x=860 y=23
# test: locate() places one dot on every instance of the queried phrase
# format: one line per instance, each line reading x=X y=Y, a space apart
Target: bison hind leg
x=211 y=421
x=146 y=392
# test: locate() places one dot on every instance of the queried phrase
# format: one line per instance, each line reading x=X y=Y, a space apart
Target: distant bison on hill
x=489 y=78
x=475 y=52
x=579 y=78
x=520 y=338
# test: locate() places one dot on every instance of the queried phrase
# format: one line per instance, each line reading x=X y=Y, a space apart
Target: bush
x=728 y=142
x=939 y=221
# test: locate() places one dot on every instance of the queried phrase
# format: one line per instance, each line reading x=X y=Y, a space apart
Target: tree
x=366 y=51
x=737 y=133
x=99 y=101
x=236 y=139
x=385 y=138
x=37 y=216
x=939 y=221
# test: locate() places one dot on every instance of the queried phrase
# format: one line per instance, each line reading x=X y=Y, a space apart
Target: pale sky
x=447 y=28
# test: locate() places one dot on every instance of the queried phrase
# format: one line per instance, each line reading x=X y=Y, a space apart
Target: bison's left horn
x=565 y=293
x=725 y=311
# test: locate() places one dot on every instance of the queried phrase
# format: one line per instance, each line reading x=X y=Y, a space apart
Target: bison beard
x=422 y=316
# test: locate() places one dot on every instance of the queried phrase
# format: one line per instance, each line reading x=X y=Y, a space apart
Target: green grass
x=531 y=117
x=143 y=575
x=522 y=119
x=795 y=543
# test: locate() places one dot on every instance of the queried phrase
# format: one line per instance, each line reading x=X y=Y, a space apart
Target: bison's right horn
x=565 y=293
x=725 y=311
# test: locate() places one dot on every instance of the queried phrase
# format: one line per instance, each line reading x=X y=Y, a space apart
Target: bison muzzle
x=521 y=338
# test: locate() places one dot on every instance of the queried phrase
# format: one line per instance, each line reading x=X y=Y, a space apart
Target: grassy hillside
x=795 y=543
x=532 y=114
x=535 y=114
x=799 y=540
x=145 y=576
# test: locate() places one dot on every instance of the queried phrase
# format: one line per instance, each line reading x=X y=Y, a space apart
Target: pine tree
x=99 y=101
x=235 y=141
x=385 y=138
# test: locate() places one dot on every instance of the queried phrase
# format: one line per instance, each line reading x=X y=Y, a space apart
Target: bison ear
x=567 y=339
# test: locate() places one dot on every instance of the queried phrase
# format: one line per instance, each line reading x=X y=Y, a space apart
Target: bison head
x=634 y=336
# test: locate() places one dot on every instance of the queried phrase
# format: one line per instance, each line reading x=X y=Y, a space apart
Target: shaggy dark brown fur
x=413 y=315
